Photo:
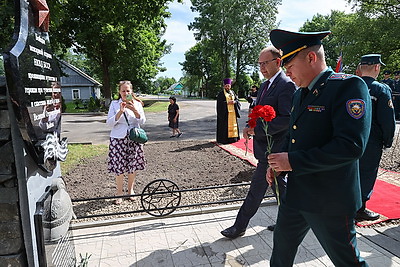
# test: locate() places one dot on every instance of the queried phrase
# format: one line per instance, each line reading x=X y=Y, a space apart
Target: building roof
x=80 y=72
x=175 y=86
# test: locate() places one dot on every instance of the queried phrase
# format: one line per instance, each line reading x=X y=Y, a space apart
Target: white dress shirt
x=120 y=126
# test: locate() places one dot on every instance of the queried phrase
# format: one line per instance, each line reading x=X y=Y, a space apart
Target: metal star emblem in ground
x=42 y=13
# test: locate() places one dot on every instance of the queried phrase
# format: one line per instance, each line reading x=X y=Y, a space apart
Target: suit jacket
x=279 y=96
x=328 y=133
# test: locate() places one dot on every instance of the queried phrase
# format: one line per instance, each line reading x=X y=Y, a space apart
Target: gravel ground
x=189 y=164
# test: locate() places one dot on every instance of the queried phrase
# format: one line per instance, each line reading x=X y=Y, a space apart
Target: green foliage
x=162 y=84
x=84 y=262
x=358 y=34
x=71 y=107
x=387 y=8
x=232 y=33
x=7 y=21
x=122 y=39
x=157 y=107
x=94 y=104
x=332 y=44
x=2 y=72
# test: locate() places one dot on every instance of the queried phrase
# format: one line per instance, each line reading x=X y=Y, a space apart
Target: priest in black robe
x=228 y=107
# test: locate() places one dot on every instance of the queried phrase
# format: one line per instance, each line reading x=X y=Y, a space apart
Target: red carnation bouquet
x=266 y=114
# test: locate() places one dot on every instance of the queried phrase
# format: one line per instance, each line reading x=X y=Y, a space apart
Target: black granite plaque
x=33 y=80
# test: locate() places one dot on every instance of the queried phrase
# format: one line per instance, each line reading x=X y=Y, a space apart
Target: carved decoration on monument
x=57 y=212
x=33 y=79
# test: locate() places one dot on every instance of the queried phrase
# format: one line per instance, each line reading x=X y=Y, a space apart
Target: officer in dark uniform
x=382 y=130
x=396 y=94
x=387 y=80
x=328 y=132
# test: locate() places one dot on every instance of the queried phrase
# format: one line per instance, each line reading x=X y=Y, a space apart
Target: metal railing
x=161 y=197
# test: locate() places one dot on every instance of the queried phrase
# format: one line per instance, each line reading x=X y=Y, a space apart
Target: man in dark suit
x=277 y=92
x=328 y=132
x=382 y=130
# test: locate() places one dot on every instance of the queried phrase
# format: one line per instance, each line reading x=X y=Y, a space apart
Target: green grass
x=71 y=108
x=79 y=152
x=157 y=107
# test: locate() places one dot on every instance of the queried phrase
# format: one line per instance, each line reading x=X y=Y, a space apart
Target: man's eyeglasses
x=265 y=63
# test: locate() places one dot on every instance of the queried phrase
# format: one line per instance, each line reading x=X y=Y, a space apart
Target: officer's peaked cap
x=293 y=42
x=371 y=59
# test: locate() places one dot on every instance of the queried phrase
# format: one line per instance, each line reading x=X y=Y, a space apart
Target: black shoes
x=179 y=135
x=366 y=215
x=271 y=227
x=232 y=232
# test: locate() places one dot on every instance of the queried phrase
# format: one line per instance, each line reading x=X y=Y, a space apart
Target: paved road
x=197 y=122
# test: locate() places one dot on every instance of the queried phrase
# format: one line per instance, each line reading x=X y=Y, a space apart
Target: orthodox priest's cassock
x=227 y=114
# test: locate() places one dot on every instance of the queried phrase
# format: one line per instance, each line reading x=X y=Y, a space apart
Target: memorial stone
x=30 y=142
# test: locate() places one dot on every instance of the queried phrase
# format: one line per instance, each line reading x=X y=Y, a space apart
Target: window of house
x=76 y=94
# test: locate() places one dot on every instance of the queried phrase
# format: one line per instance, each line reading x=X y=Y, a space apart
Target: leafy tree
x=121 y=38
x=200 y=64
x=235 y=30
x=7 y=22
x=355 y=35
x=332 y=44
x=162 y=84
x=388 y=8
x=255 y=77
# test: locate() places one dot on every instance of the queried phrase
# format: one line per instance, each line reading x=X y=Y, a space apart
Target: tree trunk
x=106 y=82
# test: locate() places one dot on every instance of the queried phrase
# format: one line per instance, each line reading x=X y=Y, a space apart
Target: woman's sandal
x=118 y=201
x=132 y=198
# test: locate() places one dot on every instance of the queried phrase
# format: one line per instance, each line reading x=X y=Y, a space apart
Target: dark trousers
x=256 y=193
x=336 y=234
x=369 y=164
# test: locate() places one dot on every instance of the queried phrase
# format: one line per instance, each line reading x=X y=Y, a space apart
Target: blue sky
x=292 y=15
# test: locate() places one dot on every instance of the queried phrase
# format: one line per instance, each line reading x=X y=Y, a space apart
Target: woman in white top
x=125 y=155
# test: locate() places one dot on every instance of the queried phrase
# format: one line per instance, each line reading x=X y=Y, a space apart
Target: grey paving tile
x=120 y=261
x=119 y=247
x=180 y=239
x=195 y=240
x=190 y=256
x=382 y=261
x=150 y=242
x=157 y=258
x=93 y=249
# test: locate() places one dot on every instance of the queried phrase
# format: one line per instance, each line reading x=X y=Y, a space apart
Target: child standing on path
x=173 y=117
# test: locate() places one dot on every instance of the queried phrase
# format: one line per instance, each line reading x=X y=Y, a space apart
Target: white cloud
x=293 y=13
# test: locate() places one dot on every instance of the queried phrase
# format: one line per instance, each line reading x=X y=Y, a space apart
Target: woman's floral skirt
x=125 y=156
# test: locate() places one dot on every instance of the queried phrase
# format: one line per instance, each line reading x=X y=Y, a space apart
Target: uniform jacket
x=328 y=133
x=279 y=96
x=383 y=122
x=389 y=82
x=120 y=127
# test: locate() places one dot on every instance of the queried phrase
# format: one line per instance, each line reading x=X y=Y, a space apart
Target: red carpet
x=385 y=199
